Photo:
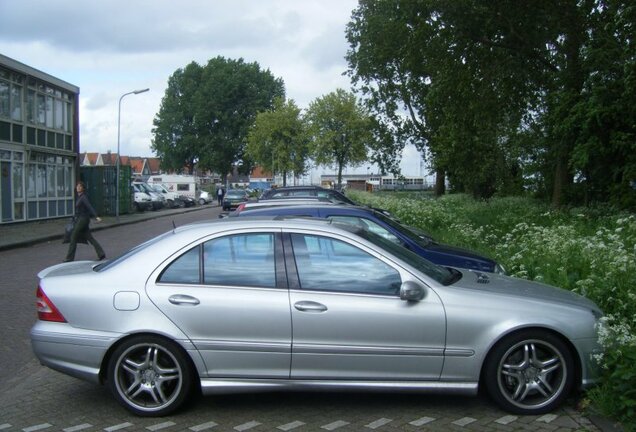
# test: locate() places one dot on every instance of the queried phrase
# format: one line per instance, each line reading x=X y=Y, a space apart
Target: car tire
x=530 y=372
x=169 y=203
x=201 y=201
x=150 y=375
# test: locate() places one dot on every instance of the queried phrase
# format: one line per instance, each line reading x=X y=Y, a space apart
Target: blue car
x=388 y=228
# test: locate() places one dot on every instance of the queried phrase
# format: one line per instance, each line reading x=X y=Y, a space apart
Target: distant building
x=261 y=179
x=39 y=143
x=376 y=182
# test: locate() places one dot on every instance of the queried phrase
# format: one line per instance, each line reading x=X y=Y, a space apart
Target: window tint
x=240 y=260
x=332 y=265
x=184 y=270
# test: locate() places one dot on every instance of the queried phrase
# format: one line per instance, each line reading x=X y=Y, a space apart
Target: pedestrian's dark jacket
x=83 y=207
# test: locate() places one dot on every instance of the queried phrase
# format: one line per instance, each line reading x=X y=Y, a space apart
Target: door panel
x=241 y=329
x=348 y=320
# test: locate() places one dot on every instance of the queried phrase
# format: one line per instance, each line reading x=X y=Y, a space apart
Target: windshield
x=441 y=274
x=406 y=232
x=235 y=194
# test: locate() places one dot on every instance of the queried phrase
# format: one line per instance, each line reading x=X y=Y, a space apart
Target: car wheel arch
x=103 y=369
x=572 y=349
x=536 y=332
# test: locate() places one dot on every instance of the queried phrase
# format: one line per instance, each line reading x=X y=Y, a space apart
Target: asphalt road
x=34 y=398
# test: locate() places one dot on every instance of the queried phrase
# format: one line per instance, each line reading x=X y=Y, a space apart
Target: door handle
x=180 y=299
x=310 y=306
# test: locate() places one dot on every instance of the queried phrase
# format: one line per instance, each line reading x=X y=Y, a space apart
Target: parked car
x=285 y=201
x=247 y=304
x=157 y=200
x=205 y=198
x=141 y=200
x=173 y=200
x=188 y=201
x=387 y=227
x=306 y=191
x=233 y=198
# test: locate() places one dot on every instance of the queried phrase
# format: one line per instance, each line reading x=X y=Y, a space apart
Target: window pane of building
x=41 y=109
x=16 y=102
x=4 y=99
x=17 y=180
x=50 y=170
x=41 y=181
x=30 y=107
x=49 y=111
x=30 y=181
x=60 y=181
x=59 y=114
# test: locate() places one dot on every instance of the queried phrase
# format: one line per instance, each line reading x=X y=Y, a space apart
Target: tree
x=416 y=70
x=207 y=111
x=341 y=130
x=278 y=140
x=176 y=139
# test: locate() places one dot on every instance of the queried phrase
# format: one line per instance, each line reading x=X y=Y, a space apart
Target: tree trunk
x=440 y=182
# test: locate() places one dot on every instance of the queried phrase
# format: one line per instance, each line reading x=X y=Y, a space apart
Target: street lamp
x=118 y=156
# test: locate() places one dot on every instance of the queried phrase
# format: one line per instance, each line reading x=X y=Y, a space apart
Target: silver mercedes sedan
x=244 y=304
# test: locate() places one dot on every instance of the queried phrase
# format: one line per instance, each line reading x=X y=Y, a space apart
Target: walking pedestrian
x=81 y=230
x=220 y=193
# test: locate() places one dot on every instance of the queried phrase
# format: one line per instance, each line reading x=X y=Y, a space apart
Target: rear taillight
x=240 y=208
x=46 y=309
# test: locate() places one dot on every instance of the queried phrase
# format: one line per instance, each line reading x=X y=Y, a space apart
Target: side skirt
x=229 y=386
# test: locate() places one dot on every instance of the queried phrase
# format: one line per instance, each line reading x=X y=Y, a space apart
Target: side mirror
x=412 y=291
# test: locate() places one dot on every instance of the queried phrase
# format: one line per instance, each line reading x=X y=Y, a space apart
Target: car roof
x=342 y=209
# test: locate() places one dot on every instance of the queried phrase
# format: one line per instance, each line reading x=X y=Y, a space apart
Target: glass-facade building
x=39 y=143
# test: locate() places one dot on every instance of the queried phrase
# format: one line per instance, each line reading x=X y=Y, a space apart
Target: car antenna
x=174 y=226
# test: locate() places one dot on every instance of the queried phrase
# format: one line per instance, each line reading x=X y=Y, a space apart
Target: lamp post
x=118 y=156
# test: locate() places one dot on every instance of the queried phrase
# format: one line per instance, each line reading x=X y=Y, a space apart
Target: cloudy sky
x=111 y=47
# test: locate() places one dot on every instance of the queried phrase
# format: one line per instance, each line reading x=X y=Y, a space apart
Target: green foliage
x=207 y=111
x=278 y=141
x=500 y=95
x=591 y=251
x=340 y=129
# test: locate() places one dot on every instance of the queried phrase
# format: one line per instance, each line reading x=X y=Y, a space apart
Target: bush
x=589 y=251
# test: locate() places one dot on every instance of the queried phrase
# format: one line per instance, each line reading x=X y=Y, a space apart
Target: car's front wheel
x=150 y=376
x=530 y=372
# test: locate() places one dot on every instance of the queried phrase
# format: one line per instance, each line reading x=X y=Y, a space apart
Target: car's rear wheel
x=150 y=376
x=530 y=372
x=201 y=201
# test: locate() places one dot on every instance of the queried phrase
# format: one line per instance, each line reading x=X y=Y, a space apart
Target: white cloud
x=110 y=47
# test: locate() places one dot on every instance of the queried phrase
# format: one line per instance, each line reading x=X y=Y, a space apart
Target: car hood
x=514 y=287
x=485 y=264
x=66 y=269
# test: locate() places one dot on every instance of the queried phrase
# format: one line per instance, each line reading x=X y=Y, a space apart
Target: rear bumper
x=75 y=352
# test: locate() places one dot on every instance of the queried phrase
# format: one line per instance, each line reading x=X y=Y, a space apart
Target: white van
x=186 y=185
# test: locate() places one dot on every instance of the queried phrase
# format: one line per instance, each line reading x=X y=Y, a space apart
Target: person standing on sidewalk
x=220 y=193
x=83 y=213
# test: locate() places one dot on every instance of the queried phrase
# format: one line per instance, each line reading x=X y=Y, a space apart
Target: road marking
x=464 y=421
x=422 y=421
x=247 y=426
x=548 y=418
x=290 y=426
x=37 y=427
x=506 y=419
x=379 y=423
x=203 y=426
x=335 y=425
x=78 y=427
x=118 y=427
x=160 y=426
